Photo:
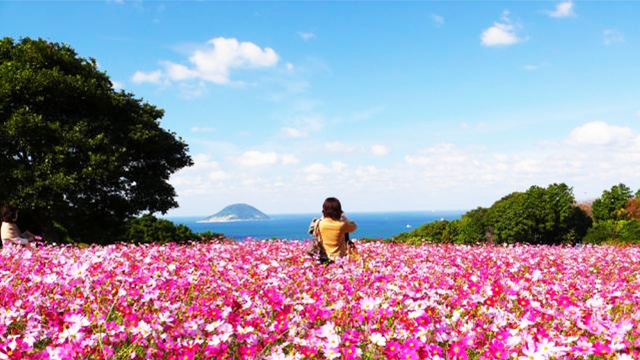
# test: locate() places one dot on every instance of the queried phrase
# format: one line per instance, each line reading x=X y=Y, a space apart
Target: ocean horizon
x=295 y=226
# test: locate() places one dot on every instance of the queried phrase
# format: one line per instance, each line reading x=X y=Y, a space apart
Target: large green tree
x=611 y=205
x=74 y=153
x=538 y=216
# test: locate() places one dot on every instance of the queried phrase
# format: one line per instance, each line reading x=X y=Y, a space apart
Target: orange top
x=332 y=235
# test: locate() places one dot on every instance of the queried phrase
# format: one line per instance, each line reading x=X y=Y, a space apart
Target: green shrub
x=437 y=232
x=149 y=229
x=473 y=227
x=614 y=232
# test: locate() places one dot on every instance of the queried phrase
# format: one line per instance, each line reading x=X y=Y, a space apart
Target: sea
x=295 y=226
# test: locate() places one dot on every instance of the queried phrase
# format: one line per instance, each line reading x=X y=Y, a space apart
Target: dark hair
x=332 y=208
x=9 y=213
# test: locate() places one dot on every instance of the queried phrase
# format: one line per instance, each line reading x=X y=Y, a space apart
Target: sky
x=389 y=106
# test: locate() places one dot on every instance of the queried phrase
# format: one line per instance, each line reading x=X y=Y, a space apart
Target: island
x=236 y=212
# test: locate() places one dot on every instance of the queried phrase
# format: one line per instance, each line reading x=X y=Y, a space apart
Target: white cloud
x=316 y=171
x=306 y=36
x=438 y=154
x=379 y=150
x=338 y=166
x=289 y=67
x=117 y=85
x=293 y=133
x=531 y=67
x=340 y=147
x=214 y=62
x=288 y=159
x=153 y=77
x=437 y=20
x=501 y=33
x=600 y=133
x=612 y=36
x=197 y=129
x=638 y=114
x=563 y=9
x=254 y=158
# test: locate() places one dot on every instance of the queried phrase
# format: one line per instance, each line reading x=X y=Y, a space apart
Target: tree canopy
x=538 y=216
x=611 y=205
x=74 y=153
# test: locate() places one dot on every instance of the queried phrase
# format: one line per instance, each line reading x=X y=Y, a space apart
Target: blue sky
x=388 y=105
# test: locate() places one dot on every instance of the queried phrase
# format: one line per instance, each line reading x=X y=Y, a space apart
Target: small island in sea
x=236 y=212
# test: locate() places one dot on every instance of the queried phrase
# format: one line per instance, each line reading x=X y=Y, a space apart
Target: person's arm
x=349 y=226
x=27 y=235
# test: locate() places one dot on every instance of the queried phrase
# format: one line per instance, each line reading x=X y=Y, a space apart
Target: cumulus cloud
x=288 y=159
x=214 y=62
x=153 y=77
x=293 y=133
x=317 y=171
x=379 y=150
x=201 y=177
x=340 y=147
x=306 y=35
x=502 y=33
x=117 y=85
x=600 y=133
x=563 y=9
x=255 y=158
x=612 y=36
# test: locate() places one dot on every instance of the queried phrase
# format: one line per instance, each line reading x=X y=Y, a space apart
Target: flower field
x=266 y=300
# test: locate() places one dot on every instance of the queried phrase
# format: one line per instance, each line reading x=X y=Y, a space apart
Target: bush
x=437 y=232
x=149 y=229
x=614 y=232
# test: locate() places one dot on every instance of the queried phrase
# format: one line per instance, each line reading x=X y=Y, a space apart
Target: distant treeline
x=545 y=216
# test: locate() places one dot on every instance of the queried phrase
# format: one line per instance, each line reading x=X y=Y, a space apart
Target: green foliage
x=614 y=232
x=437 y=232
x=473 y=227
x=73 y=151
x=538 y=216
x=149 y=229
x=611 y=205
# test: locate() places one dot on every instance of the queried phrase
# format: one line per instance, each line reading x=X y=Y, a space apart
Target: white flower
x=378 y=339
x=624 y=357
x=143 y=329
x=332 y=353
x=214 y=325
x=78 y=270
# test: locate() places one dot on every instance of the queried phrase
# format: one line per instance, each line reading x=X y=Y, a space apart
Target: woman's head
x=332 y=208
x=9 y=213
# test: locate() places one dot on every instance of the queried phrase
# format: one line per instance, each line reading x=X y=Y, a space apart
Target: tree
x=538 y=216
x=473 y=227
x=611 y=205
x=74 y=153
x=633 y=208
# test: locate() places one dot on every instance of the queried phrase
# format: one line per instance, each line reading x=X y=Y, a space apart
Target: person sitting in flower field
x=331 y=232
x=10 y=232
